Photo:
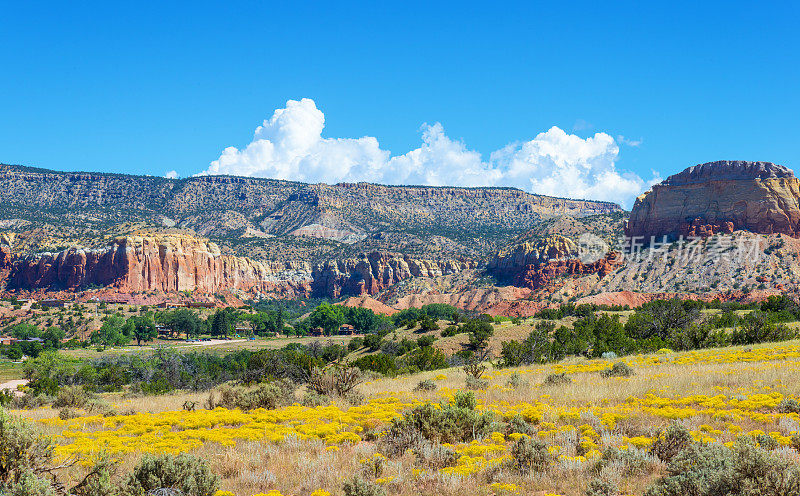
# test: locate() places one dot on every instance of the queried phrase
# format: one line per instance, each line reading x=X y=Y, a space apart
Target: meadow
x=591 y=426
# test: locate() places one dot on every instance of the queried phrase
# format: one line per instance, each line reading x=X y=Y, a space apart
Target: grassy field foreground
x=718 y=394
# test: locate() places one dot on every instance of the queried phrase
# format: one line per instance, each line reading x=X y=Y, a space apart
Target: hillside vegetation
x=572 y=408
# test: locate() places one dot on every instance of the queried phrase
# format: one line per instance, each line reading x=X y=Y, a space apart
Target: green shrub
x=71 y=396
x=183 y=472
x=357 y=486
x=425 y=385
x=379 y=362
x=530 y=455
x=465 y=399
x=671 y=442
x=266 y=395
x=600 y=487
x=557 y=379
x=450 y=331
x=619 y=369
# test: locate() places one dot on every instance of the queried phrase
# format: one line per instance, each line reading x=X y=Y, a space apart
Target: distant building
x=171 y=304
x=52 y=303
x=316 y=331
x=243 y=329
x=7 y=340
x=346 y=330
x=201 y=304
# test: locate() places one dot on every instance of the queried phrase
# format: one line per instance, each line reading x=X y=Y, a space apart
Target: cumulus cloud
x=171 y=174
x=289 y=145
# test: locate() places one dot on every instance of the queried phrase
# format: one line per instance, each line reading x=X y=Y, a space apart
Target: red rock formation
x=183 y=263
x=543 y=275
x=537 y=265
x=720 y=197
x=376 y=271
x=141 y=263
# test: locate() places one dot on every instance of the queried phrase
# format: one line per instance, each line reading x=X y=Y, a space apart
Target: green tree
x=222 y=322
x=111 y=332
x=52 y=337
x=328 y=317
x=142 y=328
x=363 y=319
x=479 y=333
x=184 y=321
x=427 y=324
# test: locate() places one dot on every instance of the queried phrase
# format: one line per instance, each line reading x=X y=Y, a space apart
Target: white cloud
x=289 y=145
x=630 y=142
x=171 y=174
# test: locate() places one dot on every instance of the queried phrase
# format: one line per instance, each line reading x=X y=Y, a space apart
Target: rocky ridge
x=144 y=263
x=720 y=197
x=177 y=263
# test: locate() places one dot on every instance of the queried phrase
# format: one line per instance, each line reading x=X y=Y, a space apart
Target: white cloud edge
x=289 y=145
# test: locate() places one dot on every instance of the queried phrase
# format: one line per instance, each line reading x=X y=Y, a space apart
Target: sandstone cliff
x=183 y=263
x=142 y=263
x=724 y=196
x=377 y=271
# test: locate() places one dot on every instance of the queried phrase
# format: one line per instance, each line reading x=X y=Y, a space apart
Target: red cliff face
x=720 y=197
x=537 y=265
x=377 y=271
x=182 y=263
x=140 y=263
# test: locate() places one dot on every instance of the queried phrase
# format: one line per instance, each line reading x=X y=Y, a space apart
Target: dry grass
x=300 y=467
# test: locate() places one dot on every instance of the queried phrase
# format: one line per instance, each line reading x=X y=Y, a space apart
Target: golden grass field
x=718 y=394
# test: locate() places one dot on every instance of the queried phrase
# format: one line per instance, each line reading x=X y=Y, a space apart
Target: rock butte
x=720 y=197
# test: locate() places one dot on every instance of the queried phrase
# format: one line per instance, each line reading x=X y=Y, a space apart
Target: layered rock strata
x=536 y=265
x=139 y=263
x=720 y=197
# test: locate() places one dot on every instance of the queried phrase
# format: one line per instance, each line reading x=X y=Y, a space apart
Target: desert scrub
x=518 y=425
x=557 y=379
x=631 y=461
x=72 y=396
x=515 y=381
x=425 y=385
x=189 y=475
x=600 y=487
x=68 y=413
x=266 y=395
x=314 y=399
x=715 y=470
x=789 y=405
x=671 y=442
x=358 y=486
x=530 y=455
x=619 y=369
x=29 y=468
x=446 y=423
x=475 y=384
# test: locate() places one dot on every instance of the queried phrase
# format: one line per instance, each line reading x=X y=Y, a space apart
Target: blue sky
x=157 y=88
